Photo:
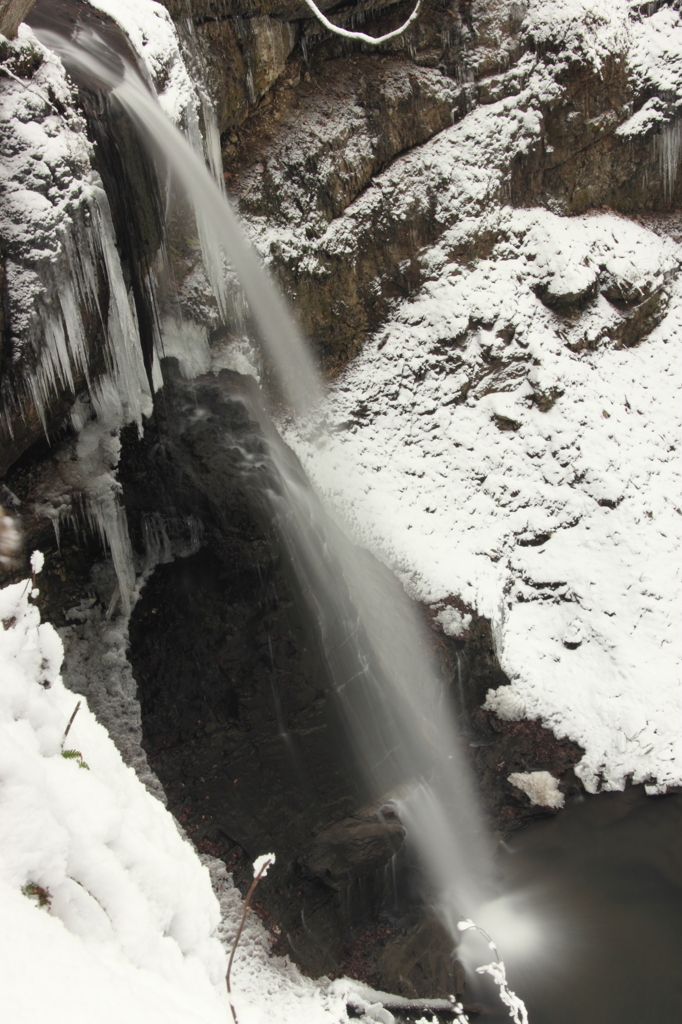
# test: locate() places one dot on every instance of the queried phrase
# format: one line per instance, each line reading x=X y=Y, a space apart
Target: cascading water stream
x=218 y=225
x=394 y=703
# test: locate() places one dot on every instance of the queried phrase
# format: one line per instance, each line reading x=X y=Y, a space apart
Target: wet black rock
x=355 y=847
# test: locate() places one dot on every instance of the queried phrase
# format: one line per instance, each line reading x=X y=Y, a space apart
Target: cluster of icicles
x=392 y=698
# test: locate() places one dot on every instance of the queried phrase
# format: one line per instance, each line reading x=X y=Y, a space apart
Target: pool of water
x=591 y=928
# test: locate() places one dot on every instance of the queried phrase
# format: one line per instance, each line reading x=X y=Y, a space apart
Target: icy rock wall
x=72 y=349
x=339 y=202
x=80 y=321
x=68 y=321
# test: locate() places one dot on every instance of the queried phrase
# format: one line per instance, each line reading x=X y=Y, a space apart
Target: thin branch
x=66 y=731
x=362 y=36
x=498 y=972
x=29 y=88
x=247 y=901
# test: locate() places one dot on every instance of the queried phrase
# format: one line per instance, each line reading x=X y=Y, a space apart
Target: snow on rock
x=453 y=621
x=655 y=55
x=44 y=175
x=499 y=442
x=579 y=29
x=153 y=35
x=541 y=788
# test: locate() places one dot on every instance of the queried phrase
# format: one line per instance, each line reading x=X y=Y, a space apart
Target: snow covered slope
x=508 y=442
x=107 y=913
x=493 y=448
x=127 y=929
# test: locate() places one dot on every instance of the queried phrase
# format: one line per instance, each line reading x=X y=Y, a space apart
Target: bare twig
x=362 y=36
x=498 y=972
x=66 y=731
x=261 y=873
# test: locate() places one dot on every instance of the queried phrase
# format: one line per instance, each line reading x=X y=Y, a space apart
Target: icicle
x=92 y=475
x=196 y=535
x=157 y=544
x=124 y=351
x=109 y=519
x=214 y=157
x=668 y=146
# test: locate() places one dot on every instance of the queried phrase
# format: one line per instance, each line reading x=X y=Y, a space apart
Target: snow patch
x=541 y=788
x=453 y=621
x=262 y=864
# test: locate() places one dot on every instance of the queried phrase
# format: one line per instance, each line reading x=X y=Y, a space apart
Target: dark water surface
x=604 y=883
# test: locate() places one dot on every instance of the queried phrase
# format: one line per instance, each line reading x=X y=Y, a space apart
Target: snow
x=154 y=38
x=130 y=927
x=655 y=55
x=452 y=620
x=541 y=788
x=591 y=30
x=37 y=561
x=131 y=916
x=560 y=526
x=262 y=865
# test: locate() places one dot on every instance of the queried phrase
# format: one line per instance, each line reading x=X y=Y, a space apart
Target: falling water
x=394 y=703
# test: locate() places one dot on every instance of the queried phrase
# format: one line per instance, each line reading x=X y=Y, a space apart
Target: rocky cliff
x=475 y=225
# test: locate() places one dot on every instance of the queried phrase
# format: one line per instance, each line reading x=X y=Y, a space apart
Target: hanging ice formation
x=75 y=330
x=668 y=147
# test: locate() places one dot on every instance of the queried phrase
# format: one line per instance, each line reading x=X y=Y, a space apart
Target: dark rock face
x=355 y=847
x=237 y=715
x=244 y=58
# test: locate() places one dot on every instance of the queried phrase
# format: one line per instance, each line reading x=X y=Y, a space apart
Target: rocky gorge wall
x=360 y=175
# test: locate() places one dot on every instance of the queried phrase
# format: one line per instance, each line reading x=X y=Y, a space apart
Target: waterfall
x=394 y=703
